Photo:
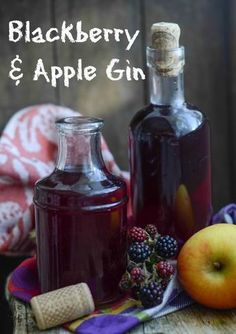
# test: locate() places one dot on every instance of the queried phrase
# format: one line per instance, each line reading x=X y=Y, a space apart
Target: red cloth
x=23 y=282
x=28 y=148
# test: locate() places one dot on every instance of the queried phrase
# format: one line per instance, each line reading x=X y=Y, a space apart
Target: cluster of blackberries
x=148 y=271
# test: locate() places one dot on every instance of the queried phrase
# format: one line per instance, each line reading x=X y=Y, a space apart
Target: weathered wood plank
x=19 y=317
x=230 y=30
x=203 y=34
x=24 y=321
x=191 y=320
x=115 y=101
x=28 y=92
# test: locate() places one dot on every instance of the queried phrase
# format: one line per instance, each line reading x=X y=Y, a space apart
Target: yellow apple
x=207 y=266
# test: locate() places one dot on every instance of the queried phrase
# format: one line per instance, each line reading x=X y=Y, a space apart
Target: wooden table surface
x=195 y=319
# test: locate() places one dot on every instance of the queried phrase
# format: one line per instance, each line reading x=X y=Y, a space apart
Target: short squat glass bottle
x=80 y=212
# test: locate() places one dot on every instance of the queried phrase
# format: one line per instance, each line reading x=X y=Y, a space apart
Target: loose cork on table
x=195 y=319
x=62 y=305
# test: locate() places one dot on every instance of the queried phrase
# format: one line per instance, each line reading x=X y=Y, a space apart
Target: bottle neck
x=79 y=152
x=79 y=146
x=166 y=76
x=166 y=90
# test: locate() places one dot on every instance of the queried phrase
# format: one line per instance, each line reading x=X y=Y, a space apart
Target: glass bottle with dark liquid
x=81 y=215
x=170 y=151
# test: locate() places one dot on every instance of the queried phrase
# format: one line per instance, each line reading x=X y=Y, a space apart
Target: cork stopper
x=59 y=306
x=169 y=57
x=165 y=35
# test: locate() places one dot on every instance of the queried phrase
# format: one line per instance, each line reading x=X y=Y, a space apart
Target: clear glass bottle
x=170 y=163
x=80 y=212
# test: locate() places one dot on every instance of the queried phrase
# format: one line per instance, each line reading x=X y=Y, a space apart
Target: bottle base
x=108 y=301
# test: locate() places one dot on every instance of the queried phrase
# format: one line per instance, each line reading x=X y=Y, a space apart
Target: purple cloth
x=226 y=215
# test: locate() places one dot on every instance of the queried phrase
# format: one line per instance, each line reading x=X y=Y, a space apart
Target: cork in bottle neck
x=165 y=59
x=165 y=36
x=165 y=55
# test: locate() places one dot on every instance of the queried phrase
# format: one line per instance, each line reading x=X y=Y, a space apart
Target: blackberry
x=151 y=230
x=166 y=247
x=135 y=291
x=130 y=266
x=151 y=294
x=164 y=269
x=139 y=252
x=125 y=282
x=137 y=234
x=137 y=275
x=164 y=283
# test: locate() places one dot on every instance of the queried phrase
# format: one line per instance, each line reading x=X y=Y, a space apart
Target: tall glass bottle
x=80 y=212
x=169 y=143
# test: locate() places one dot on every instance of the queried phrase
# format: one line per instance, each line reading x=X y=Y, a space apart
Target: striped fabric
x=115 y=319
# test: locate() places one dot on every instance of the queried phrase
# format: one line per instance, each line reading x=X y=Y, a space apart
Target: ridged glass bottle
x=80 y=212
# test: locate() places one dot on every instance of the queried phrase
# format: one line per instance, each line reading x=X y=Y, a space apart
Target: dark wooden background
x=208 y=33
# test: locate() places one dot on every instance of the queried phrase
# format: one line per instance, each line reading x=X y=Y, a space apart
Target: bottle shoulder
x=80 y=182
x=76 y=191
x=177 y=121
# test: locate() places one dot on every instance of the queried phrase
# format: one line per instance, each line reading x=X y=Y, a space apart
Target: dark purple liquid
x=170 y=175
x=81 y=232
